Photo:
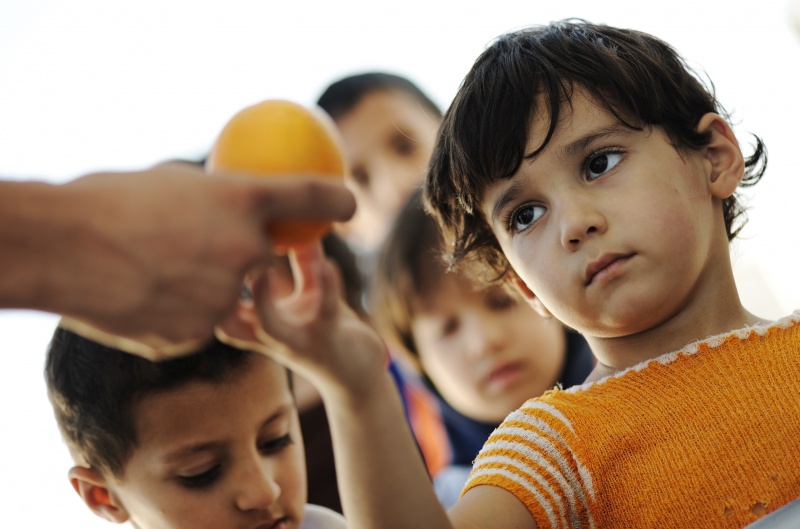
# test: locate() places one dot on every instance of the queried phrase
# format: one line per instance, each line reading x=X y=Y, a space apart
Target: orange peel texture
x=277 y=138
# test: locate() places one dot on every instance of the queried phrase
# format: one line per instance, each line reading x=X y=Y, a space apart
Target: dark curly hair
x=642 y=81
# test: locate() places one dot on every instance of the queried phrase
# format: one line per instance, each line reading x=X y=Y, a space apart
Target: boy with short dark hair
x=207 y=440
x=589 y=168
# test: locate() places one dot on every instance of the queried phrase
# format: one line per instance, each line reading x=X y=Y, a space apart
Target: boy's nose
x=257 y=488
x=485 y=335
x=579 y=220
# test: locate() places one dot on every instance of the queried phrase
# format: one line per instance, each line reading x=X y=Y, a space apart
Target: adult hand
x=151 y=261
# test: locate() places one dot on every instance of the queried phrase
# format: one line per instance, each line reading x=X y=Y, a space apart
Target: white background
x=106 y=84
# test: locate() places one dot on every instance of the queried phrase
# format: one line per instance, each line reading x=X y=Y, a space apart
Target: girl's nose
x=579 y=220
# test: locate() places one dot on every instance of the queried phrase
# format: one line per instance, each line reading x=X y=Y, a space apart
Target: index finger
x=304 y=198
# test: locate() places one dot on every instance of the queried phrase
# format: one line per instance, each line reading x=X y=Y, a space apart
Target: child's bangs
x=490 y=124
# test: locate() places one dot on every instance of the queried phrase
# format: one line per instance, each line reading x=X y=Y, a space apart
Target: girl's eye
x=523 y=217
x=602 y=163
x=275 y=445
x=202 y=480
x=449 y=327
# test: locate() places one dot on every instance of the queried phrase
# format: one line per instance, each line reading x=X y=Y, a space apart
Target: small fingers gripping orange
x=279 y=138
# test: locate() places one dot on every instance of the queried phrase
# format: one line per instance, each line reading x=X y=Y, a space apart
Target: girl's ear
x=723 y=155
x=528 y=295
x=92 y=487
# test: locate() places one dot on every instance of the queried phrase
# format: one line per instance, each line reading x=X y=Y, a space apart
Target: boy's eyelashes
x=202 y=480
x=209 y=477
x=275 y=445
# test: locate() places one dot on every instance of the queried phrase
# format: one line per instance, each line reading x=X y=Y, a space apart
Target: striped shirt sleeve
x=530 y=455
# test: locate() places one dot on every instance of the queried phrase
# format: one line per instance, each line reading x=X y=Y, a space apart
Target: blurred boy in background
x=481 y=351
x=389 y=128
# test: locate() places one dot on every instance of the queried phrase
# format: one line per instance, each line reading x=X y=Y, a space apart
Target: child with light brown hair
x=481 y=351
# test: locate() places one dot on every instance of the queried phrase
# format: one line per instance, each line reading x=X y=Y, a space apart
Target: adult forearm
x=56 y=254
x=382 y=478
x=30 y=231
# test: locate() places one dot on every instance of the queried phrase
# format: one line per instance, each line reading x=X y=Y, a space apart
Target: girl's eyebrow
x=580 y=144
x=508 y=195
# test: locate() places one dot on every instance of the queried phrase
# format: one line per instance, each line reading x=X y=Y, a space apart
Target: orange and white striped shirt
x=708 y=436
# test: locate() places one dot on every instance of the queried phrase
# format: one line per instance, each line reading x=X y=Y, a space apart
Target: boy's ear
x=92 y=487
x=723 y=154
x=528 y=295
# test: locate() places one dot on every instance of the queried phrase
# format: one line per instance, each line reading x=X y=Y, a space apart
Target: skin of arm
x=385 y=485
x=149 y=261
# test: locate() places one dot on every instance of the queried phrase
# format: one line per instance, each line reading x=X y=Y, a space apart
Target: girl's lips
x=606 y=264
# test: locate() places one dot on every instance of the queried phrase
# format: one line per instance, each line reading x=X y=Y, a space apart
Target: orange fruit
x=277 y=139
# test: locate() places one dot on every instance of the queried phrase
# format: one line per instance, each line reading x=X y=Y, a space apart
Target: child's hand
x=314 y=333
x=303 y=322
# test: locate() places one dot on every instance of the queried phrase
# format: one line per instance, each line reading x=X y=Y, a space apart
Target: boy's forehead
x=447 y=289
x=246 y=396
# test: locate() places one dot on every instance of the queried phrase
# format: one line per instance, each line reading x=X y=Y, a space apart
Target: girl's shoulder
x=779 y=336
